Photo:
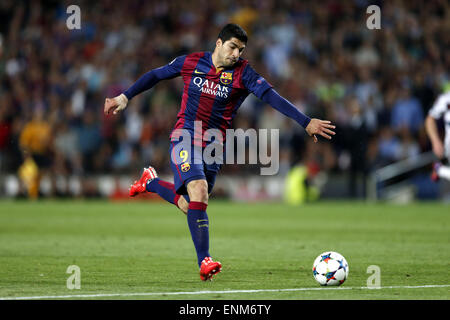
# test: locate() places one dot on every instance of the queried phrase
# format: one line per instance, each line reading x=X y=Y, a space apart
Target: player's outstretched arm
x=145 y=82
x=115 y=104
x=312 y=126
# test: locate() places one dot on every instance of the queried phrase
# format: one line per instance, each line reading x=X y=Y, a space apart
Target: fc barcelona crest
x=185 y=167
x=226 y=77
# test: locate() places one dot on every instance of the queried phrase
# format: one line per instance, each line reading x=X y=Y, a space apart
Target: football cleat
x=139 y=186
x=434 y=173
x=209 y=268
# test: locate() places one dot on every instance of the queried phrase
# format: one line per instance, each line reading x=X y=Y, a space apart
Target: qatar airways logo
x=211 y=87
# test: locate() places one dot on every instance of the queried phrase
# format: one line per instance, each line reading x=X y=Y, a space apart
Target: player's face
x=230 y=51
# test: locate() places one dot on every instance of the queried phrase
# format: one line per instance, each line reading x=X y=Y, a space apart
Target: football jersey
x=441 y=109
x=210 y=96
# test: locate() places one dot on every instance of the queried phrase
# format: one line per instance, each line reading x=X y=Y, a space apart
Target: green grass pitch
x=126 y=248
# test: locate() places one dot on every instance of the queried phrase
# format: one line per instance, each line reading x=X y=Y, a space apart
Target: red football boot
x=139 y=186
x=209 y=268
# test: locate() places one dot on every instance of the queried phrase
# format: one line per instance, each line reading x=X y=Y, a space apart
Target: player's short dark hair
x=233 y=30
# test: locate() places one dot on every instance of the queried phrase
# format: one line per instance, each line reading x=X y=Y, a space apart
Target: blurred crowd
x=375 y=85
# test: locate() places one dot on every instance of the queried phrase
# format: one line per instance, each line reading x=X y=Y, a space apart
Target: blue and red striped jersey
x=209 y=96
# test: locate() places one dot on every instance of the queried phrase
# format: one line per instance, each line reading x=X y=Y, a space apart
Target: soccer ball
x=330 y=269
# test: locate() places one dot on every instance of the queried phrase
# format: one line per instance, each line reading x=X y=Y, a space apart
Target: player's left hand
x=321 y=127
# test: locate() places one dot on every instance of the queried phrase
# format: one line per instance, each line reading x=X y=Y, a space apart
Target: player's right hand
x=115 y=104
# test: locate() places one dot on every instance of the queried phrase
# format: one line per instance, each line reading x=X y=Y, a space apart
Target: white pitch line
x=104 y=295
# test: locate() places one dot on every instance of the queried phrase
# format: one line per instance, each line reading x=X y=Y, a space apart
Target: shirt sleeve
x=285 y=107
x=254 y=83
x=440 y=106
x=151 y=78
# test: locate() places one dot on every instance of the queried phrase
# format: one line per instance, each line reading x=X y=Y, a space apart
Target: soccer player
x=215 y=85
x=440 y=109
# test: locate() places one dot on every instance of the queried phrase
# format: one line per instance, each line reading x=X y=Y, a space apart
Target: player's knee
x=198 y=191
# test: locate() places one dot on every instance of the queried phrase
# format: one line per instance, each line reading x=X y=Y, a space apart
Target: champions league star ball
x=330 y=269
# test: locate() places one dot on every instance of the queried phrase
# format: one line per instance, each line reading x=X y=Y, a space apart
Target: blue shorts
x=189 y=166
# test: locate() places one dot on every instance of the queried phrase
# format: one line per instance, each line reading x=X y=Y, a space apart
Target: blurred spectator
x=388 y=146
x=356 y=137
x=66 y=146
x=298 y=186
x=35 y=144
x=409 y=148
x=5 y=133
x=89 y=139
x=407 y=112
